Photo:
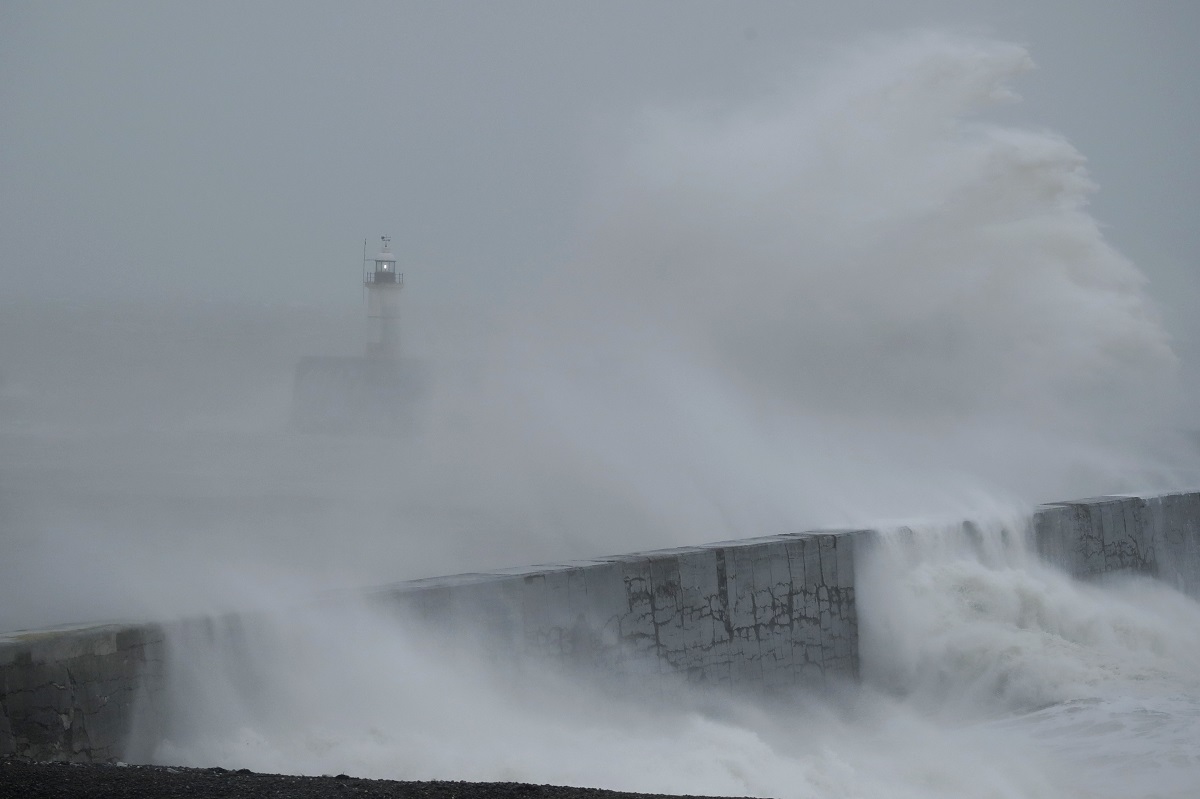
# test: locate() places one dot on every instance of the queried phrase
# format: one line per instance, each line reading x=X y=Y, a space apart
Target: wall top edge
x=69 y=641
x=1109 y=499
x=102 y=628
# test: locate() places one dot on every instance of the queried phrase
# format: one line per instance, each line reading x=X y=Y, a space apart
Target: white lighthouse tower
x=383 y=284
x=356 y=394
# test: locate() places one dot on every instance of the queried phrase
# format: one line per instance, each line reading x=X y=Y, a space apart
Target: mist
x=986 y=674
x=851 y=297
x=856 y=292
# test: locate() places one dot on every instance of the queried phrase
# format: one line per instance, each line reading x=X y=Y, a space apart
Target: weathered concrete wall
x=70 y=694
x=1173 y=522
x=1158 y=535
x=760 y=615
x=1095 y=536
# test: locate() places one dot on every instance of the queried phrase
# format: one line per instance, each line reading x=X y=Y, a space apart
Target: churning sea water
x=1098 y=679
x=986 y=674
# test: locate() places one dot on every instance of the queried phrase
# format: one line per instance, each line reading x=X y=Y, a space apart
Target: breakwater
x=754 y=615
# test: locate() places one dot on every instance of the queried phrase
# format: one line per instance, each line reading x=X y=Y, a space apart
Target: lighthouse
x=383 y=284
x=378 y=393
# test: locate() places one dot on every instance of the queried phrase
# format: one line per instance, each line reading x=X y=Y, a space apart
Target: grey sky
x=241 y=151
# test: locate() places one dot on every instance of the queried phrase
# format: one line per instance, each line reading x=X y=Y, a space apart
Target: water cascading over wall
x=757 y=615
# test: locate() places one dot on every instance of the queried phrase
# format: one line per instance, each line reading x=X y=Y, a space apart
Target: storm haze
x=673 y=273
x=240 y=151
x=682 y=272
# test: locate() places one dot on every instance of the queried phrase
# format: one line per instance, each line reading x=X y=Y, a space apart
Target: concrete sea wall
x=70 y=694
x=1157 y=535
x=759 y=615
